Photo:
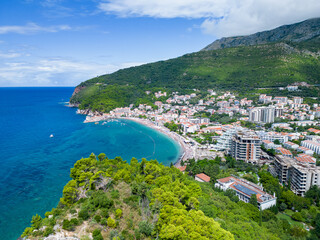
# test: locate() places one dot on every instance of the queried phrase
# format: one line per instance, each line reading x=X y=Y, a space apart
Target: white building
x=262 y=114
x=272 y=136
x=201 y=177
x=314 y=146
x=244 y=189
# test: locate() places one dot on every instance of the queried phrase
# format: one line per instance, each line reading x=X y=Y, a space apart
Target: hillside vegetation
x=112 y=199
x=240 y=68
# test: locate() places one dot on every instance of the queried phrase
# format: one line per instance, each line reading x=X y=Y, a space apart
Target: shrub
x=118 y=213
x=97 y=218
x=84 y=214
x=104 y=213
x=73 y=211
x=137 y=234
x=145 y=228
x=100 y=200
x=74 y=221
x=48 y=231
x=111 y=222
x=66 y=225
x=96 y=234
x=103 y=221
x=297 y=216
x=115 y=194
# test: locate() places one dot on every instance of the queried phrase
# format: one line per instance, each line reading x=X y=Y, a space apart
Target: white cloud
x=9 y=55
x=32 y=28
x=221 y=17
x=53 y=72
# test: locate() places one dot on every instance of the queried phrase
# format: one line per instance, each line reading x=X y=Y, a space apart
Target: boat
x=51 y=135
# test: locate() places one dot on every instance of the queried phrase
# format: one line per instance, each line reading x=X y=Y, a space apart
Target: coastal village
x=280 y=132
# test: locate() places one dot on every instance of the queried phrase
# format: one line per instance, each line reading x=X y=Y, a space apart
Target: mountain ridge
x=296 y=32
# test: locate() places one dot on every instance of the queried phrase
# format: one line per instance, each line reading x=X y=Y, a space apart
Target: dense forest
x=112 y=199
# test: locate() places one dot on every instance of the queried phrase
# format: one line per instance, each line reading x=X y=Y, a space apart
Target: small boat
x=51 y=135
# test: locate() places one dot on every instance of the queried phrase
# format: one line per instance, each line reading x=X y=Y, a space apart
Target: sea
x=34 y=167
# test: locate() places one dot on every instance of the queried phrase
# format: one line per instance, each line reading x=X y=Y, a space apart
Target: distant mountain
x=279 y=57
x=297 y=32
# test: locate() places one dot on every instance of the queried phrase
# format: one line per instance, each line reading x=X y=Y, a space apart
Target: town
x=280 y=132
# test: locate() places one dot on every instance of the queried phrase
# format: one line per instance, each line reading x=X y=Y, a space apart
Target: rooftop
x=203 y=177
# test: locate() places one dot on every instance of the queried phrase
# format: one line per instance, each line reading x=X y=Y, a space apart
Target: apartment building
x=313 y=145
x=303 y=177
x=301 y=172
x=262 y=114
x=245 y=146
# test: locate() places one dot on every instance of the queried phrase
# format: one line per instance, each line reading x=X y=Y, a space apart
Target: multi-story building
x=301 y=172
x=314 y=146
x=245 y=146
x=262 y=114
x=245 y=189
x=281 y=99
x=225 y=141
x=297 y=100
x=282 y=164
x=272 y=136
x=303 y=177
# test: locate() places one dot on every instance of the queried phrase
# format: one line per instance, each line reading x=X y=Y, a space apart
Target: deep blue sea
x=34 y=167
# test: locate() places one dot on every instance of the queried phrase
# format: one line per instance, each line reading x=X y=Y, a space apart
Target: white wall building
x=244 y=189
x=314 y=146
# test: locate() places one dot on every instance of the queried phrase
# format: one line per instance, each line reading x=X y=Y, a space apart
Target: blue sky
x=65 y=42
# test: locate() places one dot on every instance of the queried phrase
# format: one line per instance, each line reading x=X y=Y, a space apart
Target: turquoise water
x=34 y=167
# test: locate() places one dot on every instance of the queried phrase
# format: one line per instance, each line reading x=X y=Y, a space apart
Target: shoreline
x=187 y=151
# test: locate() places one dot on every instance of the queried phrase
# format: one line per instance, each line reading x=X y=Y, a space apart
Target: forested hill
x=238 y=68
x=111 y=199
x=298 y=32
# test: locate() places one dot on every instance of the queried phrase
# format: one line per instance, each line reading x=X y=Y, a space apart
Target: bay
x=34 y=167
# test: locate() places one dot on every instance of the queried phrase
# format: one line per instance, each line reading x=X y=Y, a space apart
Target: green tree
x=111 y=222
x=36 y=221
x=253 y=200
x=297 y=216
x=102 y=157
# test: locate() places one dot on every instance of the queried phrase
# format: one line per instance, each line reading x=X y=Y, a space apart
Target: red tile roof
x=304 y=158
x=203 y=177
x=182 y=168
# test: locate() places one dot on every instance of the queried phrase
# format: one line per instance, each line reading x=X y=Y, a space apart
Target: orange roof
x=304 y=158
x=203 y=177
x=182 y=168
x=284 y=151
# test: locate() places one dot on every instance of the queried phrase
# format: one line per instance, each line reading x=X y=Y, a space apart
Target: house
x=244 y=189
x=201 y=177
x=305 y=150
x=284 y=152
x=268 y=144
x=182 y=168
x=290 y=145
